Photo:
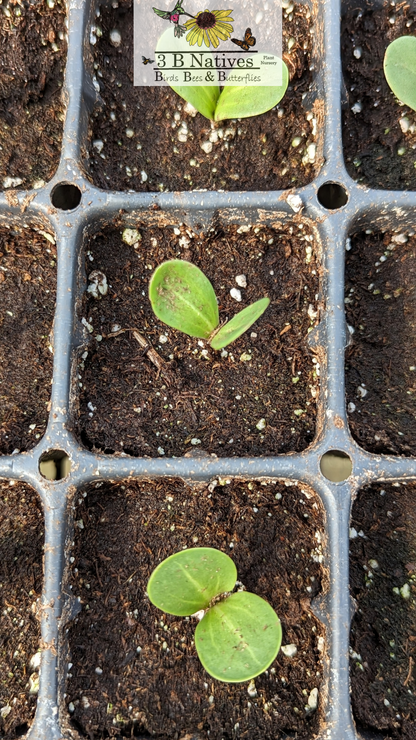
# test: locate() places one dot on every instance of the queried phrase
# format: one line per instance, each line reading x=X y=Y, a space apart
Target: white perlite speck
x=251 y=689
x=236 y=294
x=195 y=441
x=261 y=424
x=115 y=37
x=131 y=236
x=405 y=591
x=190 y=110
x=143 y=176
x=206 y=147
x=241 y=280
x=11 y=182
x=313 y=700
x=34 y=662
x=33 y=683
x=351 y=407
x=399 y=238
x=357 y=108
x=295 y=202
x=404 y=124
x=289 y=650
x=98 y=284
x=361 y=391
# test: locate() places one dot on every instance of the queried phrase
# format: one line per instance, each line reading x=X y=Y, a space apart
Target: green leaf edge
x=256 y=673
x=402 y=41
x=179 y=555
x=218 y=341
x=210 y=296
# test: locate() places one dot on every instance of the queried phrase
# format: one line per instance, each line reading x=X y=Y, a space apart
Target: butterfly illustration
x=147 y=61
x=249 y=40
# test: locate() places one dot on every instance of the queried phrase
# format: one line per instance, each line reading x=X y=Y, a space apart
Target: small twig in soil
x=148 y=350
x=409 y=673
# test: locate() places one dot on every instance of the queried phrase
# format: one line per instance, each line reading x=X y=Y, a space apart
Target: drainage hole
x=66 y=196
x=54 y=465
x=331 y=195
x=336 y=466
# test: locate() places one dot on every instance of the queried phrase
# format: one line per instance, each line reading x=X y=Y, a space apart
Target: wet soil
x=32 y=63
x=379 y=134
x=134 y=140
x=27 y=298
x=256 y=397
x=21 y=552
x=135 y=671
x=383 y=632
x=381 y=361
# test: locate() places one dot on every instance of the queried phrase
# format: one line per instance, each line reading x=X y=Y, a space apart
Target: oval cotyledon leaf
x=238 y=638
x=182 y=297
x=400 y=69
x=186 y=582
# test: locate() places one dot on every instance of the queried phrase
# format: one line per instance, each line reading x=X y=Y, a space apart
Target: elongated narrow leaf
x=239 y=324
x=238 y=638
x=203 y=97
x=187 y=581
x=400 y=69
x=182 y=297
x=252 y=100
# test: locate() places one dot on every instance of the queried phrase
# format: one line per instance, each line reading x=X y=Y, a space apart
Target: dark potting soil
x=134 y=140
x=379 y=134
x=381 y=362
x=135 y=670
x=383 y=631
x=32 y=63
x=27 y=298
x=256 y=397
x=21 y=552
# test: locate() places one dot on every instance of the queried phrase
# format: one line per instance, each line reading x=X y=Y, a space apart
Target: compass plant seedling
x=232 y=100
x=400 y=69
x=239 y=634
x=182 y=297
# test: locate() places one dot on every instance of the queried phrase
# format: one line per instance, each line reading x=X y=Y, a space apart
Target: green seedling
x=400 y=69
x=233 y=101
x=239 y=634
x=183 y=297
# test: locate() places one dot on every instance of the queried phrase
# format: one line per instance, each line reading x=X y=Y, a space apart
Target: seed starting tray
x=364 y=209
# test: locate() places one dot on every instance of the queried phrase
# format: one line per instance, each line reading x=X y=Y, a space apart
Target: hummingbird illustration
x=173 y=17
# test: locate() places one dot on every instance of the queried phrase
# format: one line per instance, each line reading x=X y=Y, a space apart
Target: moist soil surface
x=383 y=632
x=381 y=361
x=136 y=139
x=21 y=553
x=256 y=397
x=27 y=298
x=32 y=63
x=135 y=671
x=379 y=134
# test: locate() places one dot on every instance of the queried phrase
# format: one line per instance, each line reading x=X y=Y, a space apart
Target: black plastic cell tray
x=366 y=209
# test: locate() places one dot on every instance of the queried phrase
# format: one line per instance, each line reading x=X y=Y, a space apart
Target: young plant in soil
x=400 y=69
x=183 y=297
x=239 y=634
x=232 y=101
